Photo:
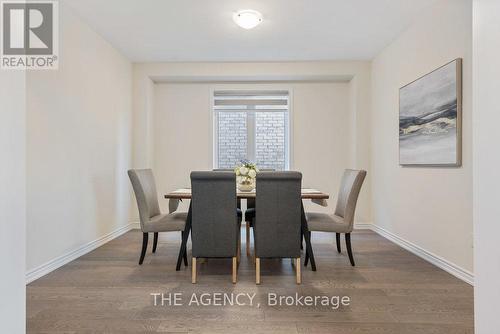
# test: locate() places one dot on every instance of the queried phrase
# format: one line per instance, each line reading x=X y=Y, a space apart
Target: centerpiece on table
x=246 y=172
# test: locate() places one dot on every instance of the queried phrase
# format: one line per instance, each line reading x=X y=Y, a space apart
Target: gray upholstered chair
x=215 y=227
x=250 y=215
x=277 y=222
x=152 y=220
x=342 y=221
x=238 y=209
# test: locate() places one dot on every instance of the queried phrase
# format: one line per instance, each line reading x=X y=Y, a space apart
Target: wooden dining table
x=316 y=196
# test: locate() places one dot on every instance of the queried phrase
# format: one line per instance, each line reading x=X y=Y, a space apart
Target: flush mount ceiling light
x=247 y=18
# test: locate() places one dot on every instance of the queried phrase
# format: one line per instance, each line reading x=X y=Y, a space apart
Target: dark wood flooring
x=391 y=291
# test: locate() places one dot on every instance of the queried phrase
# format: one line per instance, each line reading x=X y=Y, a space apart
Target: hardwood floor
x=391 y=291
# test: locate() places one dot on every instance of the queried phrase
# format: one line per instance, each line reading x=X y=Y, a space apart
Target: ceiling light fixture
x=247 y=18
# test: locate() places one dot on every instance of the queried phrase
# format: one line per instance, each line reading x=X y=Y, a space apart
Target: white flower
x=237 y=171
x=252 y=173
x=243 y=170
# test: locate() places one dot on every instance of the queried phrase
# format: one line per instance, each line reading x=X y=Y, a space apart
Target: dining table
x=314 y=195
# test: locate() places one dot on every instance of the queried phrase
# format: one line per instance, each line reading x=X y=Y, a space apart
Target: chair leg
x=337 y=236
x=144 y=247
x=235 y=269
x=298 y=271
x=247 y=234
x=257 y=270
x=193 y=270
x=155 y=241
x=349 y=249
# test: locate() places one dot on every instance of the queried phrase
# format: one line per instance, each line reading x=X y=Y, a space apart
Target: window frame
x=251 y=134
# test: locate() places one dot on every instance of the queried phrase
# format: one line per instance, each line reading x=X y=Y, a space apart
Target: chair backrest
x=278 y=214
x=214 y=230
x=227 y=170
x=230 y=170
x=146 y=196
x=251 y=201
x=351 y=183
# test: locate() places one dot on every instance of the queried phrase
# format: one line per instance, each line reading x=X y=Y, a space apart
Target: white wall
x=355 y=97
x=486 y=161
x=78 y=144
x=320 y=132
x=429 y=207
x=12 y=201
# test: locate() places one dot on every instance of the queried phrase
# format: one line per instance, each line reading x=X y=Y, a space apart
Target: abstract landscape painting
x=430 y=114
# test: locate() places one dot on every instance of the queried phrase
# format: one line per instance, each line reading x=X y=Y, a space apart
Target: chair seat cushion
x=166 y=222
x=323 y=222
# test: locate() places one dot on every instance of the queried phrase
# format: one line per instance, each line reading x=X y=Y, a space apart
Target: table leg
x=307 y=237
x=301 y=239
x=185 y=235
x=185 y=253
x=306 y=260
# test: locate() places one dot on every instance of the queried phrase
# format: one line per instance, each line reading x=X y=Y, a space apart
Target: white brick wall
x=232 y=134
x=269 y=139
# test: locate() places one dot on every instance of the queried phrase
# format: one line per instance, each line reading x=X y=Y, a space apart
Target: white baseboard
x=363 y=226
x=438 y=261
x=135 y=226
x=52 y=265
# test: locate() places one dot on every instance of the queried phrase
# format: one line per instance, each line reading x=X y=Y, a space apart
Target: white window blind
x=251 y=125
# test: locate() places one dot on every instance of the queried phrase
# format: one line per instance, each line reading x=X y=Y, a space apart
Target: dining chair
x=277 y=222
x=342 y=221
x=238 y=209
x=215 y=231
x=250 y=215
x=150 y=216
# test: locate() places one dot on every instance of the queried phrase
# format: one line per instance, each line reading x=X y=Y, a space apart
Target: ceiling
x=292 y=30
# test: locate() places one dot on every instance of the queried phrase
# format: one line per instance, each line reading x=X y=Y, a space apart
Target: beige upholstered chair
x=342 y=220
x=152 y=220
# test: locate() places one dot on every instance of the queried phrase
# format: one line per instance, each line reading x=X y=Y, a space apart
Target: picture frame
x=430 y=118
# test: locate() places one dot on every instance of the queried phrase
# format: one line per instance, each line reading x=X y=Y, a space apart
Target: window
x=251 y=125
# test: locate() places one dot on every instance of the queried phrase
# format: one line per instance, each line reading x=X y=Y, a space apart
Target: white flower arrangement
x=246 y=172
